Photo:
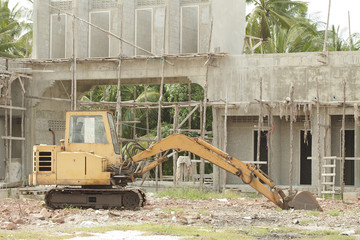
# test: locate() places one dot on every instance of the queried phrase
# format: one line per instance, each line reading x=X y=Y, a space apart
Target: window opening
x=87 y=129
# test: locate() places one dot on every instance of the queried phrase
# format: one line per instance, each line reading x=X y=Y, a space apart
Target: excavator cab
x=93 y=130
x=85 y=155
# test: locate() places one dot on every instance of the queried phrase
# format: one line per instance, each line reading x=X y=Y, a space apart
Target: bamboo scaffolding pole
x=134 y=114
x=291 y=138
x=193 y=164
x=318 y=136
x=269 y=141
x=343 y=153
x=206 y=88
x=350 y=38
x=160 y=98
x=23 y=147
x=6 y=135
x=259 y=130
x=188 y=117
x=118 y=104
x=146 y=175
x=74 y=80
x=13 y=107
x=327 y=28
x=154 y=105
x=11 y=125
x=175 y=156
x=225 y=137
x=195 y=131
x=118 y=92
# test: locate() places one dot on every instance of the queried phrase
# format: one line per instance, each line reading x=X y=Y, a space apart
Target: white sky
x=317 y=10
x=338 y=14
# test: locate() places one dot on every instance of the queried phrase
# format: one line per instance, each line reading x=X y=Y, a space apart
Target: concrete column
x=229 y=25
x=217 y=137
x=41 y=29
x=276 y=151
x=128 y=26
x=173 y=27
x=325 y=142
x=218 y=131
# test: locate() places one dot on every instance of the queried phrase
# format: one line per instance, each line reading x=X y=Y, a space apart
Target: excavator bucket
x=304 y=200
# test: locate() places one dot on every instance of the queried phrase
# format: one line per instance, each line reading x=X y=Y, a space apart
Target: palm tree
x=14 y=33
x=335 y=42
x=268 y=13
x=299 y=38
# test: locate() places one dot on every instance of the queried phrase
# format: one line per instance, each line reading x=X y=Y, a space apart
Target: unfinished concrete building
x=296 y=101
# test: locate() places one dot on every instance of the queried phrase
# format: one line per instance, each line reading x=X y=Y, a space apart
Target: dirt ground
x=240 y=213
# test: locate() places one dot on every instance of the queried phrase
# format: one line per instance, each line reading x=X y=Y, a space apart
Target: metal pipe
x=53 y=135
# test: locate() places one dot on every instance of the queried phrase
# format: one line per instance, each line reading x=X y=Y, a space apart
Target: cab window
x=87 y=129
x=113 y=134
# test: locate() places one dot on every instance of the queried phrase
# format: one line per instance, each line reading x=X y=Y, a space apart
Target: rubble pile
x=216 y=213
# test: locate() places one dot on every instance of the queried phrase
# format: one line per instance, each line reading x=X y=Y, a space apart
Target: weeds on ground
x=253 y=195
x=193 y=193
x=306 y=222
x=187 y=232
x=313 y=213
x=334 y=213
x=328 y=196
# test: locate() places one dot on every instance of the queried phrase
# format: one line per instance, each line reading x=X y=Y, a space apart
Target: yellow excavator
x=90 y=172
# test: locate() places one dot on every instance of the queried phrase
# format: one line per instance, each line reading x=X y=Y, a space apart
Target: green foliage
x=313 y=213
x=306 y=222
x=14 y=32
x=268 y=13
x=334 y=213
x=284 y=27
x=193 y=193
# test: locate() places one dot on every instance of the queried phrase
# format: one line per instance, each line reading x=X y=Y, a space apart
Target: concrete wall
x=229 y=25
x=41 y=29
x=122 y=22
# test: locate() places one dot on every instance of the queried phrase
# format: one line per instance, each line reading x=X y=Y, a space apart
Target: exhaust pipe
x=53 y=135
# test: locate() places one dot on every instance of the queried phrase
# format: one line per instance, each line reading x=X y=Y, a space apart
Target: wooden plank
x=13 y=107
x=13 y=138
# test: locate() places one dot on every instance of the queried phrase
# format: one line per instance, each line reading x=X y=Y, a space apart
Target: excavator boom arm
x=201 y=148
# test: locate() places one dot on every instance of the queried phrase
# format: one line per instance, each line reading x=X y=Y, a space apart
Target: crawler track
x=131 y=199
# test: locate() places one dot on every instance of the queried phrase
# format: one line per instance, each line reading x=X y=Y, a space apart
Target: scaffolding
x=289 y=108
x=7 y=78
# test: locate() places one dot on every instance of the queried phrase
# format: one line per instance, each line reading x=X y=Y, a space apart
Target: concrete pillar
x=128 y=26
x=325 y=141
x=229 y=25
x=218 y=131
x=41 y=29
x=276 y=151
x=173 y=27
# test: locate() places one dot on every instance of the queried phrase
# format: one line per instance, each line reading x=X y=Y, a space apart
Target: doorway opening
x=263 y=150
x=305 y=163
